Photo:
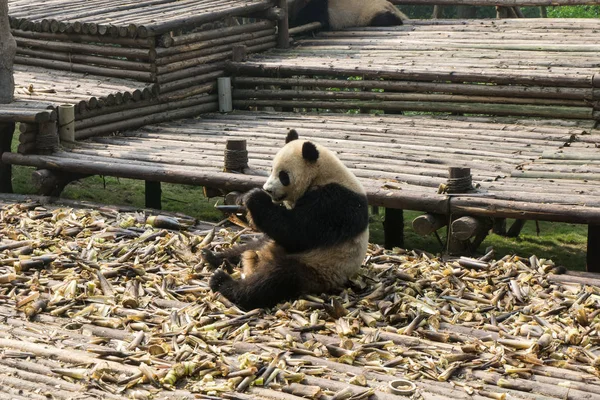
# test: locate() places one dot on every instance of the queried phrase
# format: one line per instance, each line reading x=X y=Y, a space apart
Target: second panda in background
x=340 y=14
x=313 y=213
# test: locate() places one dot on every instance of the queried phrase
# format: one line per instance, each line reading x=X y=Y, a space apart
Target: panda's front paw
x=257 y=199
x=218 y=279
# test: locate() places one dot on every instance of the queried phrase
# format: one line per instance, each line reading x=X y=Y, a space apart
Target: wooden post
x=499 y=227
x=6 y=134
x=515 y=228
x=47 y=138
x=593 y=249
x=283 y=33
x=8 y=50
x=66 y=122
x=236 y=155
x=393 y=228
x=225 y=99
x=153 y=193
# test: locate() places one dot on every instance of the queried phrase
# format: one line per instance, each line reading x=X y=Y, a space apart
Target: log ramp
x=105 y=302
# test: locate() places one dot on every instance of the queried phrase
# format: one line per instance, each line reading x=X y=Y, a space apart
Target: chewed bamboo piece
x=122 y=303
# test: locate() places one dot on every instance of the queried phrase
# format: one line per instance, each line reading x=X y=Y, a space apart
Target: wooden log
x=84 y=48
x=190 y=82
x=354 y=95
x=464 y=228
x=426 y=224
x=47 y=138
x=152 y=194
x=181 y=94
x=66 y=66
x=179 y=53
x=27 y=115
x=26 y=148
x=52 y=183
x=87 y=123
x=393 y=227
x=27 y=137
x=258 y=69
x=85 y=59
x=164 y=113
x=6 y=134
x=215 y=54
x=167 y=41
x=439 y=87
x=189 y=72
x=477 y=108
x=593 y=248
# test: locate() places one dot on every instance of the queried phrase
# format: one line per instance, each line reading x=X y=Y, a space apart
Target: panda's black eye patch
x=284 y=178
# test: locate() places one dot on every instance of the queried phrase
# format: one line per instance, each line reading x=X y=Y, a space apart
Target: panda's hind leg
x=266 y=286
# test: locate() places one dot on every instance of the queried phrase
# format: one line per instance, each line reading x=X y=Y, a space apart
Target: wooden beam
x=153 y=193
x=593 y=249
x=393 y=228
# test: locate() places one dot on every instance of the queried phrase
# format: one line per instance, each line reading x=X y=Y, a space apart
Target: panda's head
x=295 y=168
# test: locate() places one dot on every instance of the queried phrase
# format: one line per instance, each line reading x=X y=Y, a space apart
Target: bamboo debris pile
x=117 y=303
x=401 y=160
x=525 y=67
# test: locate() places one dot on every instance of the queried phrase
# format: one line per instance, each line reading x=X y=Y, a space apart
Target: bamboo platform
x=528 y=169
x=97 y=302
x=523 y=67
x=137 y=63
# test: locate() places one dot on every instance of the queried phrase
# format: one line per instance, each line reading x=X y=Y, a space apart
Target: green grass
x=565 y=244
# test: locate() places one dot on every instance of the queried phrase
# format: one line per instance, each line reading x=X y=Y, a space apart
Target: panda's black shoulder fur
x=322 y=217
x=313 y=11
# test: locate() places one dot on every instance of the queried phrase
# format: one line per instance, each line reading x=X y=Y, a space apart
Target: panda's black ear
x=310 y=152
x=292 y=135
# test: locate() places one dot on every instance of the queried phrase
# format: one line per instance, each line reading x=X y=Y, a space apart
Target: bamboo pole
x=66 y=66
x=479 y=108
x=199 y=37
x=440 y=87
x=86 y=59
x=83 y=125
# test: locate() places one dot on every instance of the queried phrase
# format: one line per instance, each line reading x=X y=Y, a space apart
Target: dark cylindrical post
x=6 y=134
x=593 y=249
x=393 y=228
x=153 y=194
x=236 y=155
x=283 y=32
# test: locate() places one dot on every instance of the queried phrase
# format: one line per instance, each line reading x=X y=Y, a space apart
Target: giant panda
x=339 y=14
x=313 y=214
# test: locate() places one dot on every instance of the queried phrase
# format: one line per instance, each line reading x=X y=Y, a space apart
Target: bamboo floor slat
x=73 y=327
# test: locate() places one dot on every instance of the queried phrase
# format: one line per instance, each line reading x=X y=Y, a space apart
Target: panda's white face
x=292 y=172
x=291 y=175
